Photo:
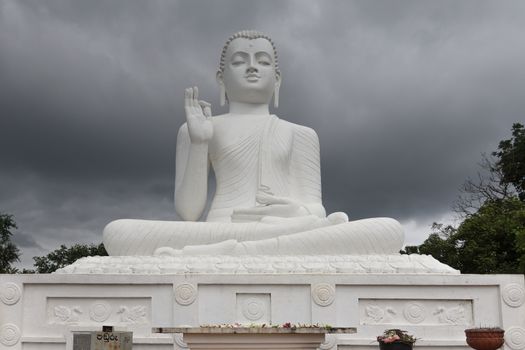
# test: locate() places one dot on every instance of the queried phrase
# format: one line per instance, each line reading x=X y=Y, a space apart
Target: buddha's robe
x=272 y=156
x=275 y=157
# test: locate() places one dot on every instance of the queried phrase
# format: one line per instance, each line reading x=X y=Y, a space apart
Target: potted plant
x=396 y=339
x=485 y=338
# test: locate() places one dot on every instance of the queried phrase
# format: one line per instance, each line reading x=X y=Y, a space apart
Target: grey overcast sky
x=405 y=96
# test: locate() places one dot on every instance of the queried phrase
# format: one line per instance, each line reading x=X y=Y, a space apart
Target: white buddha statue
x=268 y=183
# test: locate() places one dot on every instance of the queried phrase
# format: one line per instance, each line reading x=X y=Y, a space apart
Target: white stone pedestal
x=41 y=311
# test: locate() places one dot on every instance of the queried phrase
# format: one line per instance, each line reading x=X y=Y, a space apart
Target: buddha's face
x=249 y=74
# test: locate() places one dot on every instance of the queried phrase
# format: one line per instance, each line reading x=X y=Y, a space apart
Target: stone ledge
x=168 y=265
x=254 y=330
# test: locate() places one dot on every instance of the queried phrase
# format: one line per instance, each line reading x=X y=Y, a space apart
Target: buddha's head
x=248 y=70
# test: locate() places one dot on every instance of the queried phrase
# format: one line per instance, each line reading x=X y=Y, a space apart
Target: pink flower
x=391 y=339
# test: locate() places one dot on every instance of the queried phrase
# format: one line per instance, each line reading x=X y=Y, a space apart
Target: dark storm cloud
x=23 y=240
x=405 y=96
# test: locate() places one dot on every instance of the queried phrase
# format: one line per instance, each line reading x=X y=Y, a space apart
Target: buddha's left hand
x=283 y=207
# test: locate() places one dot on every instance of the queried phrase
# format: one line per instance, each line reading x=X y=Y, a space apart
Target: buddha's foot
x=167 y=251
x=337 y=218
x=221 y=248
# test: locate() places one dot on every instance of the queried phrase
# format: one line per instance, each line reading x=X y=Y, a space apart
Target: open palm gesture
x=198 y=115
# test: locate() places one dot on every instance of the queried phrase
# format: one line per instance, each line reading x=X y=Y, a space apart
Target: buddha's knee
x=116 y=227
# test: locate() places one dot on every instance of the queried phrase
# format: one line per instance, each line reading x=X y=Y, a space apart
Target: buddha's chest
x=247 y=143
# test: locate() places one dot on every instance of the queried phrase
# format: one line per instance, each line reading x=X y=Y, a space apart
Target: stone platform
x=220 y=264
x=42 y=311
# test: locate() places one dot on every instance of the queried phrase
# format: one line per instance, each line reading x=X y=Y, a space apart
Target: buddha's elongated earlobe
x=276 y=90
x=276 y=96
x=223 y=94
x=222 y=89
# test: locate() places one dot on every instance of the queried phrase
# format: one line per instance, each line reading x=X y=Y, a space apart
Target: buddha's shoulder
x=298 y=129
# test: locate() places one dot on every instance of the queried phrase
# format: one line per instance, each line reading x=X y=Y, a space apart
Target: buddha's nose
x=251 y=67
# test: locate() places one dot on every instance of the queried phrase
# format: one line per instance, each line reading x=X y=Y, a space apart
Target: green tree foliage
x=9 y=252
x=511 y=159
x=491 y=238
x=487 y=241
x=441 y=244
x=64 y=256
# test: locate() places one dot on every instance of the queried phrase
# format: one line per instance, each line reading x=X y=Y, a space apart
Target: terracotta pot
x=485 y=338
x=395 y=346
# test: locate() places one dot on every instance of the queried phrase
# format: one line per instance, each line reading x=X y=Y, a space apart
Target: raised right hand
x=198 y=115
